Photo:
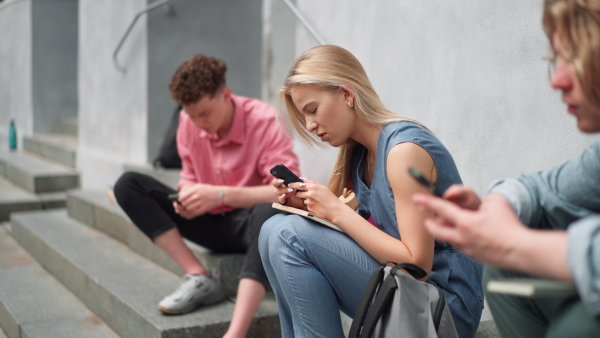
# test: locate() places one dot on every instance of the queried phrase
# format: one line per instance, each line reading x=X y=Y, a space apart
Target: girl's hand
x=286 y=195
x=319 y=200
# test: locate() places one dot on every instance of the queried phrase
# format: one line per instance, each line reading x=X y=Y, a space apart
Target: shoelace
x=189 y=283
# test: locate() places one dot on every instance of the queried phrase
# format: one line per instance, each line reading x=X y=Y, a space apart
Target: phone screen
x=283 y=173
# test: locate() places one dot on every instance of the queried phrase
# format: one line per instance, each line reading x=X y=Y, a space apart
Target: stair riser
x=7 y=207
x=97 y=269
x=111 y=220
x=114 y=312
x=51 y=152
x=115 y=224
x=66 y=126
x=41 y=184
x=8 y=323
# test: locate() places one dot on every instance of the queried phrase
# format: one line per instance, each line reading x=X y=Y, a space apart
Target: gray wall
x=38 y=72
x=279 y=46
x=123 y=116
x=473 y=71
x=15 y=67
x=54 y=62
x=230 y=30
x=113 y=107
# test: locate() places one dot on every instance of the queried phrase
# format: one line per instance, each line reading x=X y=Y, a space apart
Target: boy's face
x=212 y=114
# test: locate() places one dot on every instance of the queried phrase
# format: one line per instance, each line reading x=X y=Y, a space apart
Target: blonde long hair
x=577 y=22
x=333 y=67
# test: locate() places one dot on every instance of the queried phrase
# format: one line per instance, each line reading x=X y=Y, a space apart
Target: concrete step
x=118 y=285
x=169 y=177
x=36 y=174
x=95 y=208
x=14 y=198
x=61 y=148
x=66 y=125
x=34 y=304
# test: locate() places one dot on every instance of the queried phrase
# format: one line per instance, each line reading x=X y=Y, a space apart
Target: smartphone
x=422 y=180
x=174 y=198
x=283 y=173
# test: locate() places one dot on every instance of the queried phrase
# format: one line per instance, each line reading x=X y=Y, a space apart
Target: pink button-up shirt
x=243 y=157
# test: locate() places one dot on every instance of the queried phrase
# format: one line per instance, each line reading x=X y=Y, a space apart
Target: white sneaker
x=194 y=290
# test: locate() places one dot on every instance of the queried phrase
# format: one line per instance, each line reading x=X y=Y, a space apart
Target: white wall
x=473 y=71
x=15 y=67
x=112 y=105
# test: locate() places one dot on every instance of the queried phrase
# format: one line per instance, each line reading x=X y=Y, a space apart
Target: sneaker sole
x=167 y=312
x=210 y=299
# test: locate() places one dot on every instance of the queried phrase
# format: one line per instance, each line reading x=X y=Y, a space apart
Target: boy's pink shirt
x=253 y=145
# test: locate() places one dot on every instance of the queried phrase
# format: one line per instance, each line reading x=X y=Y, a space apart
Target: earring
x=350 y=104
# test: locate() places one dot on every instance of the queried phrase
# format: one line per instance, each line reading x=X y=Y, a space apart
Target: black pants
x=145 y=201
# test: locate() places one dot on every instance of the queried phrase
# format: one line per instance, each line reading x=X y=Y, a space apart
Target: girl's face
x=565 y=79
x=326 y=112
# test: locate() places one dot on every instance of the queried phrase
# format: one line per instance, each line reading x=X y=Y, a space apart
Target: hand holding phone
x=174 y=198
x=423 y=181
x=283 y=173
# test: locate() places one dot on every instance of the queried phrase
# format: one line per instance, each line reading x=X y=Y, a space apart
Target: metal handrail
x=301 y=18
x=152 y=7
x=7 y=4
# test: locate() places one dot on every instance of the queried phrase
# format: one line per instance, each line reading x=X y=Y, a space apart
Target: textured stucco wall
x=112 y=105
x=15 y=67
x=473 y=71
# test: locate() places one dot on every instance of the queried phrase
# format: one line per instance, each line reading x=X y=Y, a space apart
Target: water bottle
x=12 y=136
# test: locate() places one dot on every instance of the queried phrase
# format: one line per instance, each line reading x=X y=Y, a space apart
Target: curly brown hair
x=199 y=76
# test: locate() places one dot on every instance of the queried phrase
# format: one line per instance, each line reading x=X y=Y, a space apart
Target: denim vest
x=456 y=274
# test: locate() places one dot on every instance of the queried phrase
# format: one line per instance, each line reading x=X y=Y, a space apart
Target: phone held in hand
x=174 y=198
x=283 y=173
x=423 y=181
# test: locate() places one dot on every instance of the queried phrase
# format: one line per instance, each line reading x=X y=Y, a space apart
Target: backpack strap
x=412 y=269
x=437 y=316
x=365 y=301
x=367 y=315
x=382 y=302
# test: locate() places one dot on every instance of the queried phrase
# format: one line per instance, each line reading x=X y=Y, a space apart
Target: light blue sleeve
x=523 y=201
x=584 y=260
x=565 y=197
x=558 y=196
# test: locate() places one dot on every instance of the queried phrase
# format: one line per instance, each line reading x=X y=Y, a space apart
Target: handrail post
x=301 y=18
x=152 y=7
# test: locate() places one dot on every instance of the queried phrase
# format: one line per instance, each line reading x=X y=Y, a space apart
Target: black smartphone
x=174 y=198
x=283 y=173
x=422 y=180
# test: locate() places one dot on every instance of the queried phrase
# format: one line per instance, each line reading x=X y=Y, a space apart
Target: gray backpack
x=396 y=304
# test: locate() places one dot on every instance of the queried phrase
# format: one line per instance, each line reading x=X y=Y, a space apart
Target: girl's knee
x=267 y=231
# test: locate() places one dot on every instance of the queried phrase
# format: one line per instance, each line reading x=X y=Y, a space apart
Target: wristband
x=222 y=194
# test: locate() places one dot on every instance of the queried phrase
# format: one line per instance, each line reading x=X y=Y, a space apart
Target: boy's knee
x=124 y=184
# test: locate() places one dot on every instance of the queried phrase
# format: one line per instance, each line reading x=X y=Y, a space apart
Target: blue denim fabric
x=457 y=275
x=565 y=197
x=316 y=271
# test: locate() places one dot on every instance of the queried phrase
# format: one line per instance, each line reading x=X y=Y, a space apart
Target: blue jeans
x=315 y=272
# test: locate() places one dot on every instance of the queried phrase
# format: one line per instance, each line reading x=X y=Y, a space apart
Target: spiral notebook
x=308 y=215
